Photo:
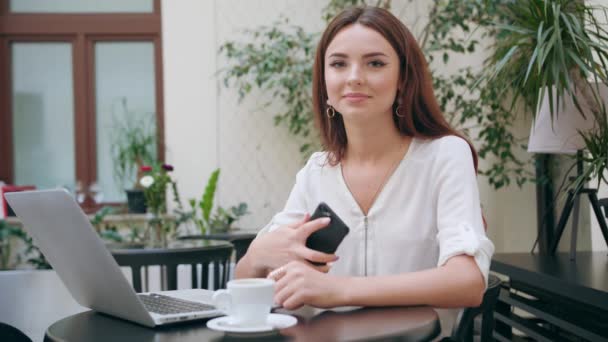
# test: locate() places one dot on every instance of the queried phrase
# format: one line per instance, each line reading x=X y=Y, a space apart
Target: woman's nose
x=355 y=76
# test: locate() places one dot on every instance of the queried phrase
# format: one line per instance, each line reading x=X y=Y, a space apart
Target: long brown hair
x=420 y=114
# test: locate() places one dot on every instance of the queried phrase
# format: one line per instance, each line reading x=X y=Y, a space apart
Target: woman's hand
x=285 y=244
x=299 y=283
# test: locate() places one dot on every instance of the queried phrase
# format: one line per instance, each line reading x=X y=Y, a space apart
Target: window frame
x=82 y=31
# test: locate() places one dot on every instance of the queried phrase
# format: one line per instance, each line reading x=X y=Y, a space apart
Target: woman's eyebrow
x=367 y=55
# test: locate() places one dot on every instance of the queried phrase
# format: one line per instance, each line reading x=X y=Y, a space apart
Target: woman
x=393 y=169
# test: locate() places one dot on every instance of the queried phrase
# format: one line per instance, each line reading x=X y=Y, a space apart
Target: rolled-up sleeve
x=459 y=218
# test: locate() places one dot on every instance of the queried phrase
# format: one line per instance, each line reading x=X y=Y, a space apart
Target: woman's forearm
x=459 y=283
x=246 y=268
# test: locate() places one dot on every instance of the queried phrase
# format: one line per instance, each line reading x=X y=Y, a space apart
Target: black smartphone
x=327 y=239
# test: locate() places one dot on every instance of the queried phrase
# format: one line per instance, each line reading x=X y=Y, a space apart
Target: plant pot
x=136 y=201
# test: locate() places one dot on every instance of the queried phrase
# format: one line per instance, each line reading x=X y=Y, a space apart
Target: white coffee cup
x=247 y=301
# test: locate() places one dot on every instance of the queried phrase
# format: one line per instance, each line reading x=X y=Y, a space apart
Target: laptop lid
x=67 y=239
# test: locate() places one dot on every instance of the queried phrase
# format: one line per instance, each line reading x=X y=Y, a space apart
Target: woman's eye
x=337 y=64
x=377 y=64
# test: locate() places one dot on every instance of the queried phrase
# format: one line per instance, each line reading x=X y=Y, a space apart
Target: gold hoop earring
x=399 y=113
x=330 y=111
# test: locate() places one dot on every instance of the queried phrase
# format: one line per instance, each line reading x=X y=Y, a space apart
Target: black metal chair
x=193 y=253
x=240 y=239
x=10 y=333
x=464 y=330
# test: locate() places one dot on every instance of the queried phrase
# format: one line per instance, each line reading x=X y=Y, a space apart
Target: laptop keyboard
x=166 y=305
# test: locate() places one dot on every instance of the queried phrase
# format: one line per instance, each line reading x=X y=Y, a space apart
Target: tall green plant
x=454 y=30
x=544 y=45
x=206 y=204
x=557 y=49
x=222 y=219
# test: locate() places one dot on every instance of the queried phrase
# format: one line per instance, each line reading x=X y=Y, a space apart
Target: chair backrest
x=218 y=263
x=464 y=330
x=216 y=258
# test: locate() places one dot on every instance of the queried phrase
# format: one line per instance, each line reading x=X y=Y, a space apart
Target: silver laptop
x=67 y=239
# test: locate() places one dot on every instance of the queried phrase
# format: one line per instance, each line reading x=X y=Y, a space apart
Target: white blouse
x=427 y=212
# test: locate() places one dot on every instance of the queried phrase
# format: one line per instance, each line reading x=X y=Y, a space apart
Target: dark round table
x=391 y=323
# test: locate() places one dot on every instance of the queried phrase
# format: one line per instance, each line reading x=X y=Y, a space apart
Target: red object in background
x=5 y=209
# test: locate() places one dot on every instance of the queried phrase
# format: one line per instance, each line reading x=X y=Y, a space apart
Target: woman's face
x=361 y=73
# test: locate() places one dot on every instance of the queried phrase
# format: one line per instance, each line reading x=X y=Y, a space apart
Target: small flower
x=146 y=168
x=167 y=167
x=146 y=181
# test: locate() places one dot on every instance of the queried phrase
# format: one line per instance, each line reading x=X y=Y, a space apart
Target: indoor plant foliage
x=31 y=254
x=155 y=181
x=470 y=102
x=558 y=49
x=544 y=44
x=134 y=144
x=7 y=234
x=222 y=219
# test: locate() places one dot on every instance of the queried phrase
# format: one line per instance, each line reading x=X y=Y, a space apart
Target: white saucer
x=274 y=322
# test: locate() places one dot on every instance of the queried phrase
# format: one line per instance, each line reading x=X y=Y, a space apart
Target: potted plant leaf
x=134 y=146
x=556 y=49
x=202 y=211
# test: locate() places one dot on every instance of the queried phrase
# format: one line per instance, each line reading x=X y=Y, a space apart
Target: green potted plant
x=134 y=146
x=155 y=181
x=221 y=220
x=556 y=49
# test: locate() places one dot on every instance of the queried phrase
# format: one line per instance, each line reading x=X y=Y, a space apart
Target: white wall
x=207 y=128
x=189 y=63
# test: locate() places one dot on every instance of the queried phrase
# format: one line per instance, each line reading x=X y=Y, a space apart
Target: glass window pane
x=43 y=114
x=81 y=6
x=125 y=97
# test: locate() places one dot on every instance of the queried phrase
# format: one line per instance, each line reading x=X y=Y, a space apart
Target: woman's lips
x=355 y=98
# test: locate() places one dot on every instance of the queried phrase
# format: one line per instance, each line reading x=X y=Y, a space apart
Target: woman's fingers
x=293 y=302
x=283 y=290
x=316 y=256
x=298 y=223
x=277 y=273
x=322 y=268
x=312 y=226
